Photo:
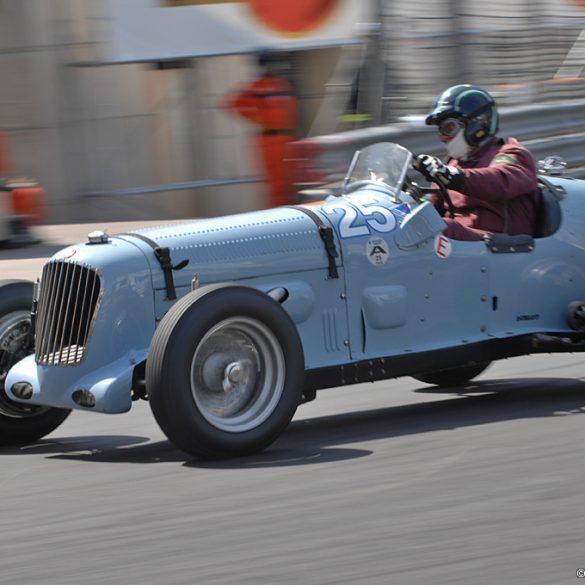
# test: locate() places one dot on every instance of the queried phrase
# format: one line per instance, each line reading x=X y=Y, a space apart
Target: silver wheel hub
x=233 y=374
x=237 y=374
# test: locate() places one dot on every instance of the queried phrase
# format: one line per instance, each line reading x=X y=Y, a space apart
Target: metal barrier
x=546 y=129
x=550 y=129
x=165 y=187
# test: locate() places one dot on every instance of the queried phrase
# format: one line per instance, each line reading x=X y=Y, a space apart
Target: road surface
x=388 y=483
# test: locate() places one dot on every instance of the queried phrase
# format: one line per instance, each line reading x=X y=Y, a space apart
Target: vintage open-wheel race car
x=226 y=325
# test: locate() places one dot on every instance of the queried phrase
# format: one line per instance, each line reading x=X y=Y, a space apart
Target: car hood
x=275 y=241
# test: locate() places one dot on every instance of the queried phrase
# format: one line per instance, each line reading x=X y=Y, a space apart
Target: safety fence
x=528 y=51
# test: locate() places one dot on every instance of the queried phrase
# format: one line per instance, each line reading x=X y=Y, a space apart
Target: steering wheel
x=417 y=193
x=446 y=198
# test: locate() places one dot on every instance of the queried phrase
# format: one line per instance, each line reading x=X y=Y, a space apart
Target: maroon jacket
x=500 y=190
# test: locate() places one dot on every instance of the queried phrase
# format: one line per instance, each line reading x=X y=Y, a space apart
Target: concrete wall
x=38 y=108
x=82 y=130
x=104 y=129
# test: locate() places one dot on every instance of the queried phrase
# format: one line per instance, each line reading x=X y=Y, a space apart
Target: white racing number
x=361 y=218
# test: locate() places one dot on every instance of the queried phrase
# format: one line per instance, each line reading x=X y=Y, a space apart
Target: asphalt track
x=387 y=483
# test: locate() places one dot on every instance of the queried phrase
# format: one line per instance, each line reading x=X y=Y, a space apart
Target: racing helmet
x=474 y=106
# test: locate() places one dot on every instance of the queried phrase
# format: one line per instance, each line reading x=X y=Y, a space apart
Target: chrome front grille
x=67 y=307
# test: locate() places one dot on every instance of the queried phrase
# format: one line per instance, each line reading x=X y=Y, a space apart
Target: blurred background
x=117 y=107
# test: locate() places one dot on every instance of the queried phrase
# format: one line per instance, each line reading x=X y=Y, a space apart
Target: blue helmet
x=474 y=106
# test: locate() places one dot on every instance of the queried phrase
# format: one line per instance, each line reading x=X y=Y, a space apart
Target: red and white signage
x=443 y=247
x=298 y=17
x=175 y=29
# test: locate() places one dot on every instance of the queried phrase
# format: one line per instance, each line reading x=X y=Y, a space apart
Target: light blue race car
x=226 y=325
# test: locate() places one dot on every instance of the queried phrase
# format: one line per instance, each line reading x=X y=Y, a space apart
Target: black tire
x=576 y=315
x=453 y=376
x=225 y=372
x=20 y=423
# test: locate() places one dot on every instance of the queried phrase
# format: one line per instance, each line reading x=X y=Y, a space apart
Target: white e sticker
x=377 y=251
x=443 y=246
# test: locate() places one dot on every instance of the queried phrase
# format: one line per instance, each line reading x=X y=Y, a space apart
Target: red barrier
x=6 y=165
x=29 y=202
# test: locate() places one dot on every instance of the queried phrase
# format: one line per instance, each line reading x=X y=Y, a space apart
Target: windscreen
x=384 y=163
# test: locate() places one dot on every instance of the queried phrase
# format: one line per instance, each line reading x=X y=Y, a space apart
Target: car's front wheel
x=20 y=423
x=225 y=371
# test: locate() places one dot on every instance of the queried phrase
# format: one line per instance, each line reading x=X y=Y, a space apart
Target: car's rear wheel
x=576 y=315
x=20 y=423
x=452 y=376
x=225 y=371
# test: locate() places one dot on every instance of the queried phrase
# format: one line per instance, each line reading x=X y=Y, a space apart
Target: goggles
x=450 y=126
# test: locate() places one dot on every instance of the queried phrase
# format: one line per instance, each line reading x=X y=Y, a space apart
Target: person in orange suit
x=270 y=103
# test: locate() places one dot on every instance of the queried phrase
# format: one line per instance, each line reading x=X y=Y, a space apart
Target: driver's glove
x=434 y=170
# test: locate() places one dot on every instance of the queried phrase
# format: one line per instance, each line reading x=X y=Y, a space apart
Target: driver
x=491 y=180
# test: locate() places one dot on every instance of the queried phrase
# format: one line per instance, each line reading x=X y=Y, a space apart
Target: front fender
x=119 y=335
x=109 y=387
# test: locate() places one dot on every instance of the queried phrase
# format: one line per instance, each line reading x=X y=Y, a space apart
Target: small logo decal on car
x=533 y=317
x=443 y=246
x=377 y=251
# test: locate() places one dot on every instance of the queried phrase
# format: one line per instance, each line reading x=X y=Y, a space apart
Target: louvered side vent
x=67 y=307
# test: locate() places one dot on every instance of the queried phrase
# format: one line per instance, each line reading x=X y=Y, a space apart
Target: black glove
x=436 y=171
